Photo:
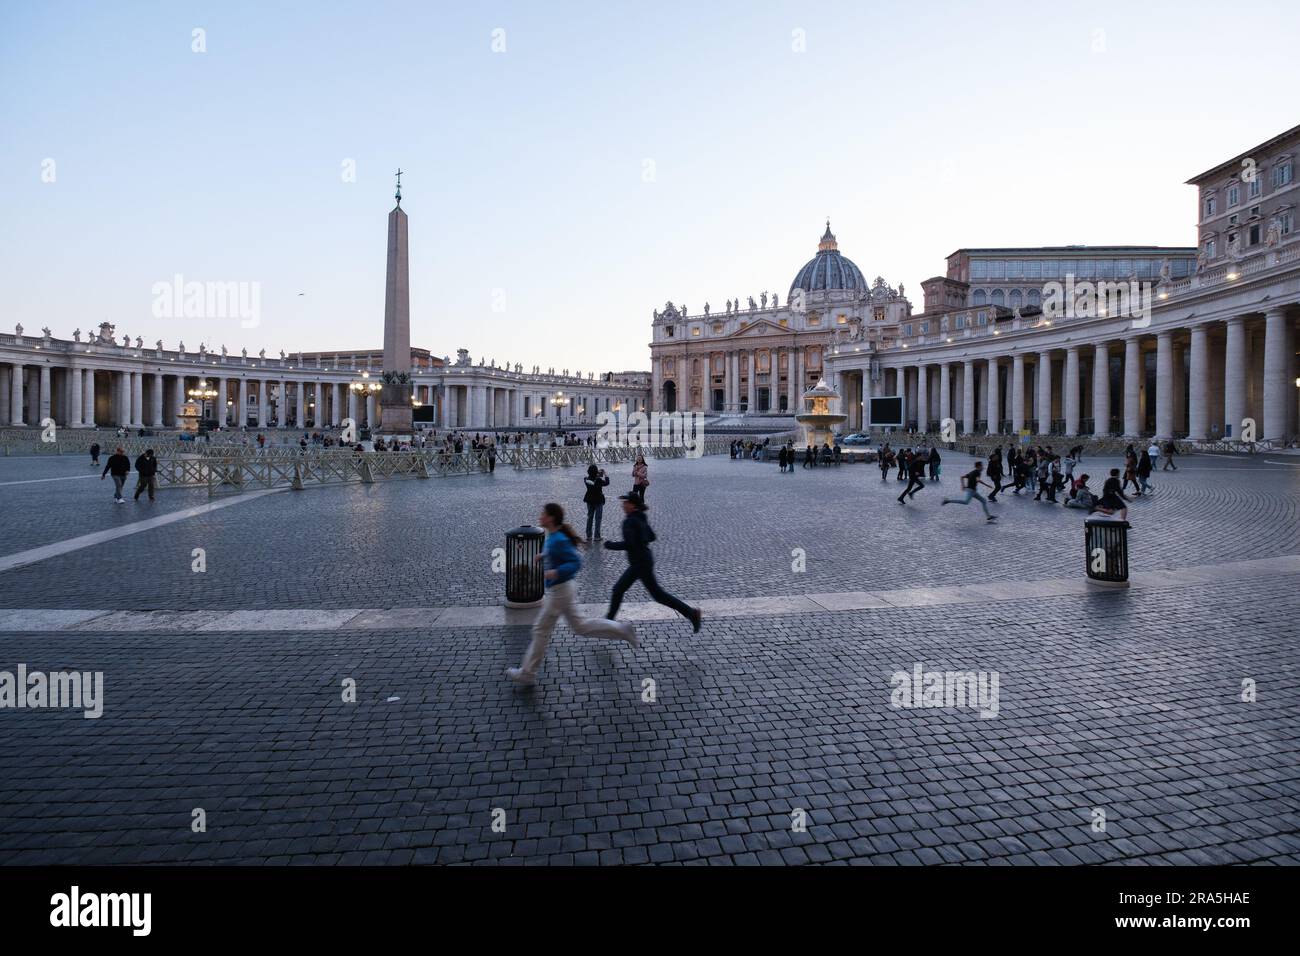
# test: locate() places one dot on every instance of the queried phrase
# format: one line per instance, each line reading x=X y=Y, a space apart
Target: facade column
x=137 y=399
x=1071 y=391
x=1132 y=387
x=354 y=411
x=1017 y=394
x=1165 y=385
x=300 y=394
x=43 y=409
x=1234 y=378
x=922 y=398
x=968 y=398
x=753 y=383
x=223 y=413
x=124 y=398
x=157 y=400
x=16 y=394
x=261 y=403
x=945 y=389
x=1279 y=392
x=88 y=397
x=1198 y=418
x=1101 y=390
x=370 y=411
x=992 y=407
x=1043 y=379
x=178 y=400
x=241 y=412
x=76 y=404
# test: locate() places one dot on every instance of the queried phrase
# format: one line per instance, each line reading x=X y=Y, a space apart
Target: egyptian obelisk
x=395 y=399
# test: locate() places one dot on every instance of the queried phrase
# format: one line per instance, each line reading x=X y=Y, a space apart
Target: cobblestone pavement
x=726 y=529
x=1122 y=706
x=1106 y=704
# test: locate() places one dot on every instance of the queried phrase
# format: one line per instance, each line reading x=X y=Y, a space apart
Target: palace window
x=1281 y=174
x=815 y=358
x=814 y=320
x=983 y=318
x=1211 y=248
x=785 y=323
x=717 y=328
x=960 y=322
x=979 y=298
x=1285 y=223
x=879 y=315
x=997 y=298
x=1234 y=195
x=842 y=320
x=907 y=330
x=925 y=328
x=668 y=331
x=1253 y=235
x=1014 y=300
x=1209 y=206
x=1252 y=188
x=695 y=331
x=670 y=366
x=764 y=362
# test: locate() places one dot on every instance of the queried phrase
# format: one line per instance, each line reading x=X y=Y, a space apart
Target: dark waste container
x=525 y=581
x=1106 y=550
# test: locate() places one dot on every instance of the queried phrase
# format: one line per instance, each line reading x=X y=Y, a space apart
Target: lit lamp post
x=202 y=393
x=365 y=390
x=559 y=401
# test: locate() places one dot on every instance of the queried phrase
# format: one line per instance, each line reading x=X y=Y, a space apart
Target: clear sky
x=538 y=233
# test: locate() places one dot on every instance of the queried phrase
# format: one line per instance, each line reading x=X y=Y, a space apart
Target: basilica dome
x=829 y=270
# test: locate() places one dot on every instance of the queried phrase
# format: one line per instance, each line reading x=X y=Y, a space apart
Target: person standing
x=640 y=477
x=146 y=467
x=971 y=483
x=915 y=472
x=562 y=562
x=94 y=455
x=637 y=537
x=934 y=463
x=119 y=466
x=492 y=457
x=594 y=498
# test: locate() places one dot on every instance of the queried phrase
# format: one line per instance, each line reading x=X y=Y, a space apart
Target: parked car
x=857 y=438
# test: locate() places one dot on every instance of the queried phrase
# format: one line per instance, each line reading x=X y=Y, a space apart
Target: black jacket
x=637 y=535
x=594 y=495
x=118 y=465
x=147 y=466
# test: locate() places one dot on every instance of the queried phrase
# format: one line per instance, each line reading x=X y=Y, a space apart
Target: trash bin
x=1106 y=551
x=525 y=581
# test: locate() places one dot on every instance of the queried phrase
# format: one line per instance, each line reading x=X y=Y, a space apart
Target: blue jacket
x=561 y=556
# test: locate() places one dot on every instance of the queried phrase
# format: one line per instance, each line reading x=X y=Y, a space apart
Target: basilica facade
x=757 y=358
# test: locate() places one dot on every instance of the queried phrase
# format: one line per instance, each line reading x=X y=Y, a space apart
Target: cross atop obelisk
x=399 y=186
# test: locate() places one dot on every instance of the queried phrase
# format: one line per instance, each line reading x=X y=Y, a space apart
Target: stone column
x=370 y=411
x=223 y=413
x=300 y=396
x=1234 y=378
x=76 y=402
x=1072 y=391
x=354 y=410
x=968 y=397
x=1279 y=392
x=1198 y=418
x=1101 y=390
x=88 y=397
x=1043 y=379
x=945 y=392
x=157 y=400
x=16 y=394
x=124 y=398
x=992 y=405
x=922 y=398
x=43 y=409
x=261 y=403
x=1017 y=394
x=336 y=408
x=753 y=383
x=1132 y=387
x=1165 y=385
x=178 y=399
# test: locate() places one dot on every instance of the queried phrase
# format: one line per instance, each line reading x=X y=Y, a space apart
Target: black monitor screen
x=886 y=411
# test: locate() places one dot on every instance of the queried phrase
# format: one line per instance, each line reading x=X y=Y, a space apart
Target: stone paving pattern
x=1133 y=707
x=726 y=529
x=1127 y=701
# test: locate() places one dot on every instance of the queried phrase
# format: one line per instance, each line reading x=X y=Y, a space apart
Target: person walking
x=637 y=537
x=1153 y=452
x=915 y=472
x=1130 y=471
x=995 y=472
x=94 y=455
x=886 y=462
x=119 y=466
x=146 y=467
x=492 y=457
x=1170 y=450
x=562 y=562
x=594 y=498
x=640 y=477
x=934 y=463
x=971 y=483
x=1144 y=469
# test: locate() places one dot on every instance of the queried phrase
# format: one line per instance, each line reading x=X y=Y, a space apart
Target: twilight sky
x=613 y=156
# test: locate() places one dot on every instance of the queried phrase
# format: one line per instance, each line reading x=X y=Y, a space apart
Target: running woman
x=562 y=562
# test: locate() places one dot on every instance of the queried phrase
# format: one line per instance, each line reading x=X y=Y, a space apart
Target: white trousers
x=560 y=601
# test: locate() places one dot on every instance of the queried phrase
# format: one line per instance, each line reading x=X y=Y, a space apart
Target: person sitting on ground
x=1080 y=495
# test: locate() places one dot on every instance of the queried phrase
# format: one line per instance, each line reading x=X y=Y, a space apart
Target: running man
x=637 y=535
x=915 y=474
x=971 y=483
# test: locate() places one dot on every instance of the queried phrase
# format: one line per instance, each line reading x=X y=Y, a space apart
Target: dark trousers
x=997 y=485
x=594 y=514
x=640 y=490
x=913 y=486
x=646 y=575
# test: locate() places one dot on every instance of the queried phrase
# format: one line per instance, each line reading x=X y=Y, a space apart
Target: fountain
x=818 y=420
